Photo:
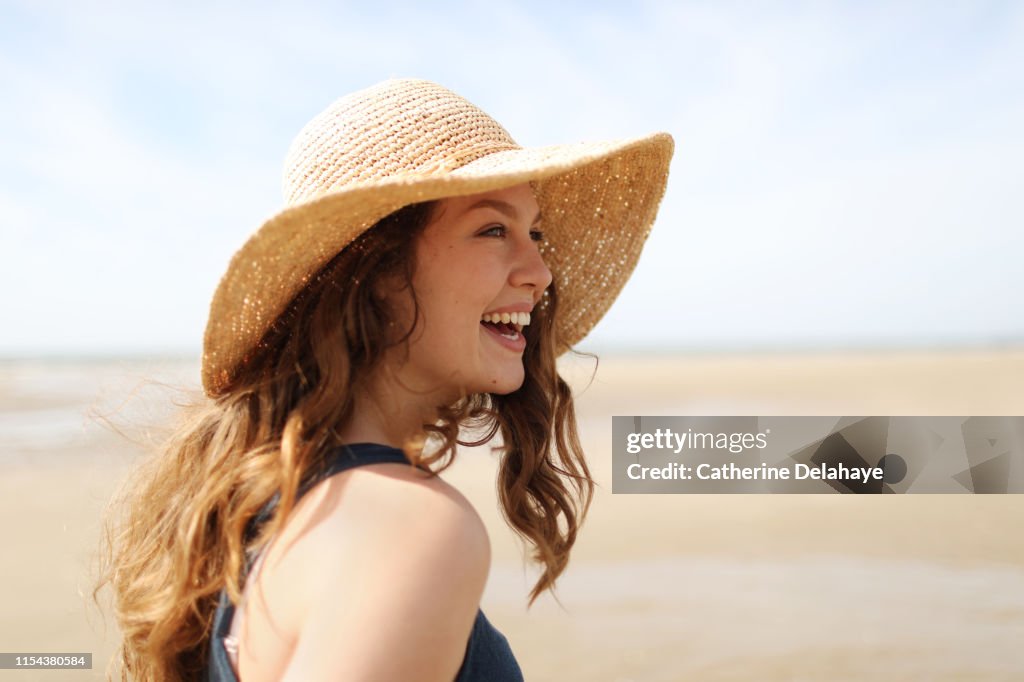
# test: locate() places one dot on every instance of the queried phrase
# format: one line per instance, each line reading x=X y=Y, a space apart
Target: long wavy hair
x=176 y=535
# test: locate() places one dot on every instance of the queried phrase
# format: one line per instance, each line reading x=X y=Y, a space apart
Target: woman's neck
x=389 y=415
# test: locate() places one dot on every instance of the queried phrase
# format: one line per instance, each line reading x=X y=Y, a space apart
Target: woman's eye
x=502 y=231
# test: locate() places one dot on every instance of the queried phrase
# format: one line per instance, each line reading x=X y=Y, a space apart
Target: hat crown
x=397 y=128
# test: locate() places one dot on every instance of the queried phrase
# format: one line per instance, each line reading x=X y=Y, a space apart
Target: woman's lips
x=517 y=344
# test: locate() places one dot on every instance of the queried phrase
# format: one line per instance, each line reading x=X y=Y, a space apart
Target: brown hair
x=182 y=536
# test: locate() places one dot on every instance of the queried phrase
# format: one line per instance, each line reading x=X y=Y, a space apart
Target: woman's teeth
x=519 y=319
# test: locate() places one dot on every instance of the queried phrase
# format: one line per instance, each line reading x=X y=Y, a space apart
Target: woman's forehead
x=517 y=202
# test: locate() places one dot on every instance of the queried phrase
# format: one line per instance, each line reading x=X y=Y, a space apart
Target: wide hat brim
x=598 y=201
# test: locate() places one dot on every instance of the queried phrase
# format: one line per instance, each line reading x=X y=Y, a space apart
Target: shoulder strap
x=346 y=457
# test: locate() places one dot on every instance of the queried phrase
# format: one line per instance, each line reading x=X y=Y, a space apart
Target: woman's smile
x=506 y=325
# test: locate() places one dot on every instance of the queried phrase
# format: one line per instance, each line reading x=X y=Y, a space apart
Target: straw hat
x=405 y=141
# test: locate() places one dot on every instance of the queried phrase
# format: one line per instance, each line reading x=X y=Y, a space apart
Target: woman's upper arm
x=403 y=609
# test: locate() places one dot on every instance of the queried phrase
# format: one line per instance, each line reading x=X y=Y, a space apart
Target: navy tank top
x=488 y=654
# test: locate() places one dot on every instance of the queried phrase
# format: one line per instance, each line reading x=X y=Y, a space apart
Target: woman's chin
x=507 y=382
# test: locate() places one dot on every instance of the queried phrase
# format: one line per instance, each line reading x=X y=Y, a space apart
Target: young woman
x=423 y=278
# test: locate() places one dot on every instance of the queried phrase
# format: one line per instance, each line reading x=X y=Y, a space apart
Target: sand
x=660 y=587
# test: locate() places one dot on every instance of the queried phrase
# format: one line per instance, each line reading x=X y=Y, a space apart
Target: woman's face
x=476 y=259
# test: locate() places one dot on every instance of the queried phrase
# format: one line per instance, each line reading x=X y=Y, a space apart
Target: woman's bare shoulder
x=390 y=559
x=387 y=498
x=369 y=515
x=374 y=496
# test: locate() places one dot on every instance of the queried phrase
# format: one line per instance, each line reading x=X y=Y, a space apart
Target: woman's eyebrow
x=502 y=207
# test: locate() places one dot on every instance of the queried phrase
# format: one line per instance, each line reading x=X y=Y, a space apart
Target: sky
x=845 y=175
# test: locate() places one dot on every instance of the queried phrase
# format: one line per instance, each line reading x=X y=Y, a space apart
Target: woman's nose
x=531 y=270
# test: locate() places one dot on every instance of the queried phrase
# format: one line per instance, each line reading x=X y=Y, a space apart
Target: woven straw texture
x=406 y=141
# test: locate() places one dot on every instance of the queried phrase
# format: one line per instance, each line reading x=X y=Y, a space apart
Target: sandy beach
x=660 y=587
